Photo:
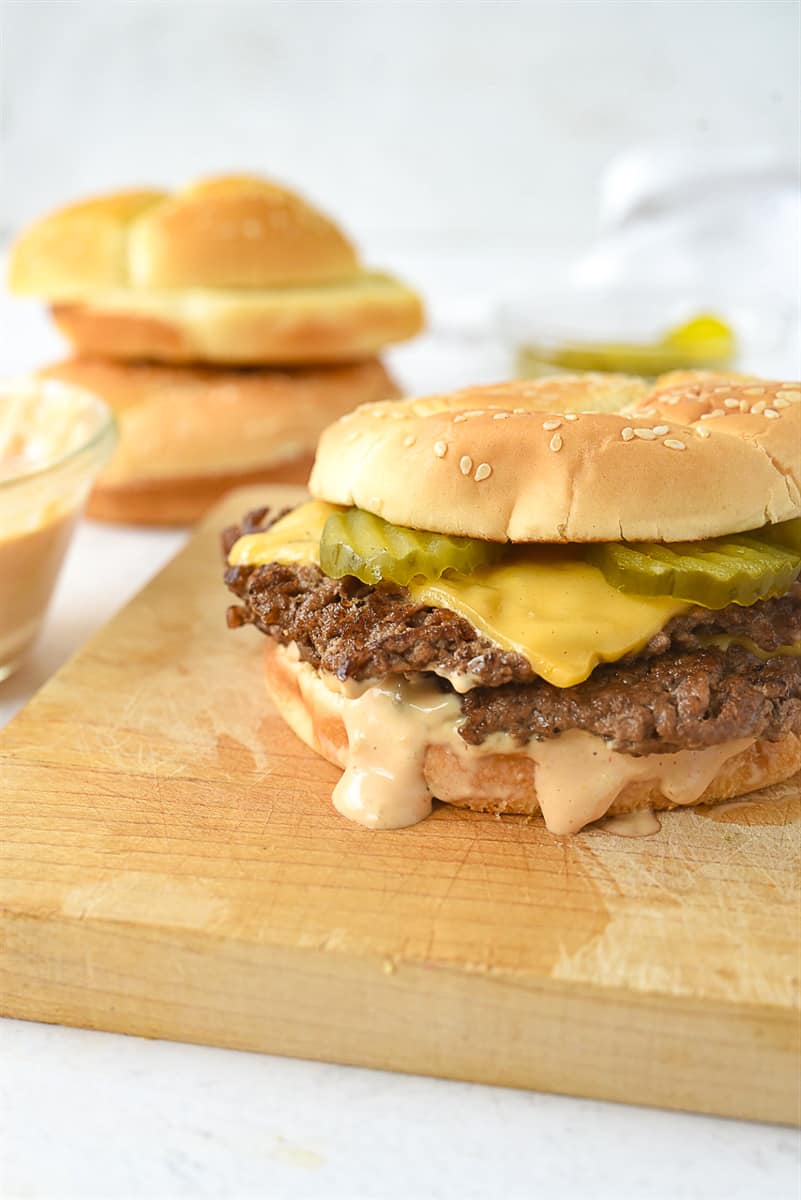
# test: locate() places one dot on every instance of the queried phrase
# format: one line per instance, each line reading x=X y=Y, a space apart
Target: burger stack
x=226 y=325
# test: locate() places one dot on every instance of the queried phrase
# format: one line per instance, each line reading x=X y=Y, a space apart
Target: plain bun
x=231 y=270
x=230 y=232
x=501 y=783
x=339 y=322
x=187 y=435
x=683 y=461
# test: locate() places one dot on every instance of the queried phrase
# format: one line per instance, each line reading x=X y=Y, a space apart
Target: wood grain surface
x=172 y=867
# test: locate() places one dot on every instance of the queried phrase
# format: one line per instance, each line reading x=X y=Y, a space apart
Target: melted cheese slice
x=558 y=612
x=293 y=539
x=549 y=606
x=722 y=641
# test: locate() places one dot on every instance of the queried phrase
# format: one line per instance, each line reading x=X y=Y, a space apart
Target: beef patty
x=674 y=694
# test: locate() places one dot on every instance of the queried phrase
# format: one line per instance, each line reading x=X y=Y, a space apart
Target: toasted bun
x=187 y=435
x=340 y=322
x=504 y=782
x=677 y=462
x=232 y=270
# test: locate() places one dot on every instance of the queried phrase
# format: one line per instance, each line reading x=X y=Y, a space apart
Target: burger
x=225 y=324
x=576 y=596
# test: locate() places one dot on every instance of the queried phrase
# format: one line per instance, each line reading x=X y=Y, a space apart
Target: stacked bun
x=226 y=325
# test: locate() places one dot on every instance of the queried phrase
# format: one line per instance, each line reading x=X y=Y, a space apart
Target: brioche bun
x=685 y=460
x=500 y=783
x=232 y=270
x=188 y=435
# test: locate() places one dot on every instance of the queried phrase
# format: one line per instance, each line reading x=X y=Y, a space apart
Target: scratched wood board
x=172 y=867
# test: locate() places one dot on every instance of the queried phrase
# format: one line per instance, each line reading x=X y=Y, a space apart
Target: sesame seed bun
x=189 y=434
x=230 y=270
x=502 y=782
x=574 y=459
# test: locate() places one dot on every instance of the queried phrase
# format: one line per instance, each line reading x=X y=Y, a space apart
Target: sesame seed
x=627 y=434
x=771 y=413
x=779 y=403
x=465 y=464
x=571 y=416
x=732 y=402
x=556 y=442
x=759 y=406
x=647 y=434
x=500 y=416
x=708 y=416
x=440 y=449
x=789 y=394
x=483 y=471
x=702 y=433
x=409 y=440
x=647 y=412
x=549 y=425
x=753 y=391
x=661 y=430
x=460 y=417
x=674 y=444
x=720 y=390
x=518 y=411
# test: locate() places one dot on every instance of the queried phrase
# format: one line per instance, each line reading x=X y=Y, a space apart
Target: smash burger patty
x=519 y=598
x=673 y=695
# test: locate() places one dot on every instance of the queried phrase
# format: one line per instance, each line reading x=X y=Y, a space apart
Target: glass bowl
x=54 y=439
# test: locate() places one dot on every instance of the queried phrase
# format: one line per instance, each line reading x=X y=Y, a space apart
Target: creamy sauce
x=29 y=564
x=40 y=426
x=392 y=725
x=640 y=823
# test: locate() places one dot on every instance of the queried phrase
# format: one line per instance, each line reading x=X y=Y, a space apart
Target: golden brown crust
x=282 y=327
x=505 y=782
x=694 y=460
x=187 y=435
x=237 y=231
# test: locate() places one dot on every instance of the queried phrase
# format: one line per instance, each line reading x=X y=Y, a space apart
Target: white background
x=462 y=143
x=445 y=121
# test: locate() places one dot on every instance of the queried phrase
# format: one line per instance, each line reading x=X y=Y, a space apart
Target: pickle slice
x=786 y=533
x=355 y=542
x=712 y=574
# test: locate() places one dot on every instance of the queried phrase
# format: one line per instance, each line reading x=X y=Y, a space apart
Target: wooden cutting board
x=172 y=867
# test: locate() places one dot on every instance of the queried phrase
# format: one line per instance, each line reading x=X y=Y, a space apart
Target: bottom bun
x=182 y=501
x=187 y=435
x=505 y=782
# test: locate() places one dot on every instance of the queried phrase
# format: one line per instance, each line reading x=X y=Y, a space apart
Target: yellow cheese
x=722 y=641
x=293 y=539
x=554 y=609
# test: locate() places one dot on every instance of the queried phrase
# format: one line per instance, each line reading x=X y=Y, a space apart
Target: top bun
x=231 y=232
x=574 y=459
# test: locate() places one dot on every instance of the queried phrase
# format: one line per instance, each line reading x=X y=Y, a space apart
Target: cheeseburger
x=576 y=596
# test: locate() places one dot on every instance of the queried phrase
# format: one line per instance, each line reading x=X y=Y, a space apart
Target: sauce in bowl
x=54 y=439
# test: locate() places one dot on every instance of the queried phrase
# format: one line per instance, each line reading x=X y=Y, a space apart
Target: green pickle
x=741 y=569
x=359 y=543
x=786 y=533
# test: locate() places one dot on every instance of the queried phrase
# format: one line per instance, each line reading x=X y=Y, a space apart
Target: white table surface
x=100 y=1115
